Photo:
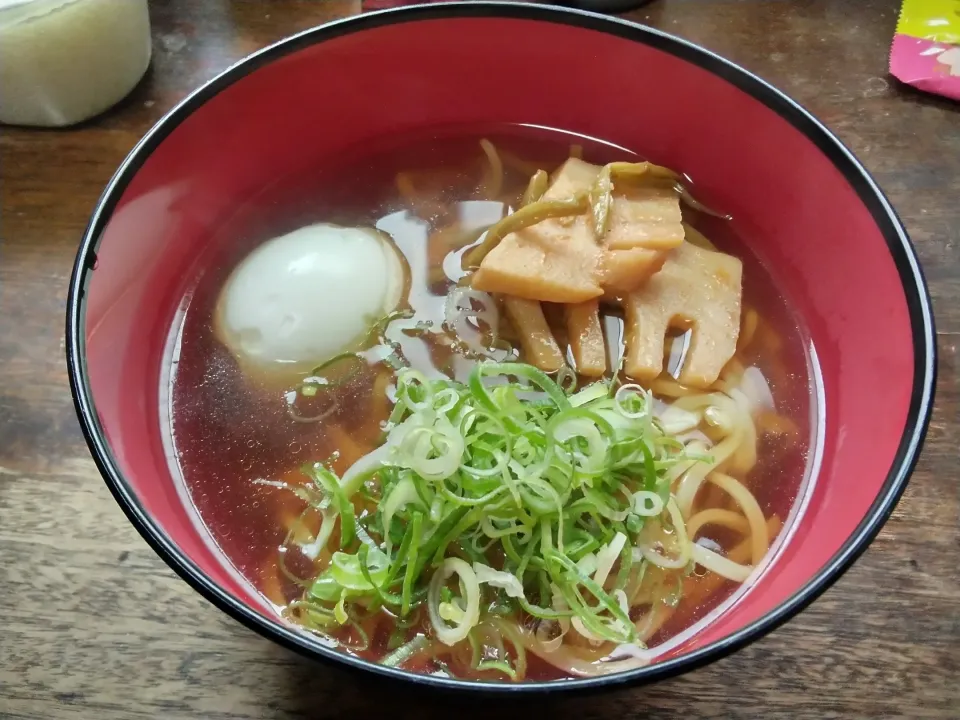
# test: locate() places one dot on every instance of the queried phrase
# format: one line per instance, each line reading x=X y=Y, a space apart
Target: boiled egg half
x=300 y=299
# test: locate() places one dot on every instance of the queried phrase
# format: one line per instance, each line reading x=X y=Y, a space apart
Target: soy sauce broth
x=234 y=438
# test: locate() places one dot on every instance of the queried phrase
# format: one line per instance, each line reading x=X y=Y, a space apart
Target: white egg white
x=305 y=297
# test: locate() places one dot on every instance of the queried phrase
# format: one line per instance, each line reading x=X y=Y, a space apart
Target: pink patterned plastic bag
x=926 y=47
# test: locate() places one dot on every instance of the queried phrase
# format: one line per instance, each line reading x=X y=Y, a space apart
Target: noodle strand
x=751 y=510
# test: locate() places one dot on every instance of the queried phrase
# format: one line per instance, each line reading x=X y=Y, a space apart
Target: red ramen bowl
x=801 y=202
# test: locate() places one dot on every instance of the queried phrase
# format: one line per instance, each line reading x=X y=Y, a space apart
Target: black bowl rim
x=899 y=245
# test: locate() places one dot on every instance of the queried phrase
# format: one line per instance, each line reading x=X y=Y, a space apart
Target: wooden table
x=94 y=625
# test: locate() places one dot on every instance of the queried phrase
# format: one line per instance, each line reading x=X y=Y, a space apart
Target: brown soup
x=238 y=440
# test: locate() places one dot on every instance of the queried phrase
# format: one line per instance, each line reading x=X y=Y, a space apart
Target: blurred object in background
x=926 y=47
x=64 y=61
x=595 y=5
x=604 y=5
x=384 y=4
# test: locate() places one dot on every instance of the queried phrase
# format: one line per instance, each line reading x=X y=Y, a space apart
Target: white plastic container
x=63 y=61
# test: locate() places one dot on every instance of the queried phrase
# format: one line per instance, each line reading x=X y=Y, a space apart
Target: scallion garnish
x=506 y=490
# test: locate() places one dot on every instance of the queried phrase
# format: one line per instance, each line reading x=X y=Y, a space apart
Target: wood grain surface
x=94 y=625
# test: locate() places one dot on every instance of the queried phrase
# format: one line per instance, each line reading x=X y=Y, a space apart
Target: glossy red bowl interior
x=803 y=204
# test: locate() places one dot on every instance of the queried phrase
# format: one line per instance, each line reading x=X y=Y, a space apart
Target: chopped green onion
x=507 y=492
x=469 y=614
x=411 y=563
x=406 y=651
x=499 y=666
x=329 y=483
